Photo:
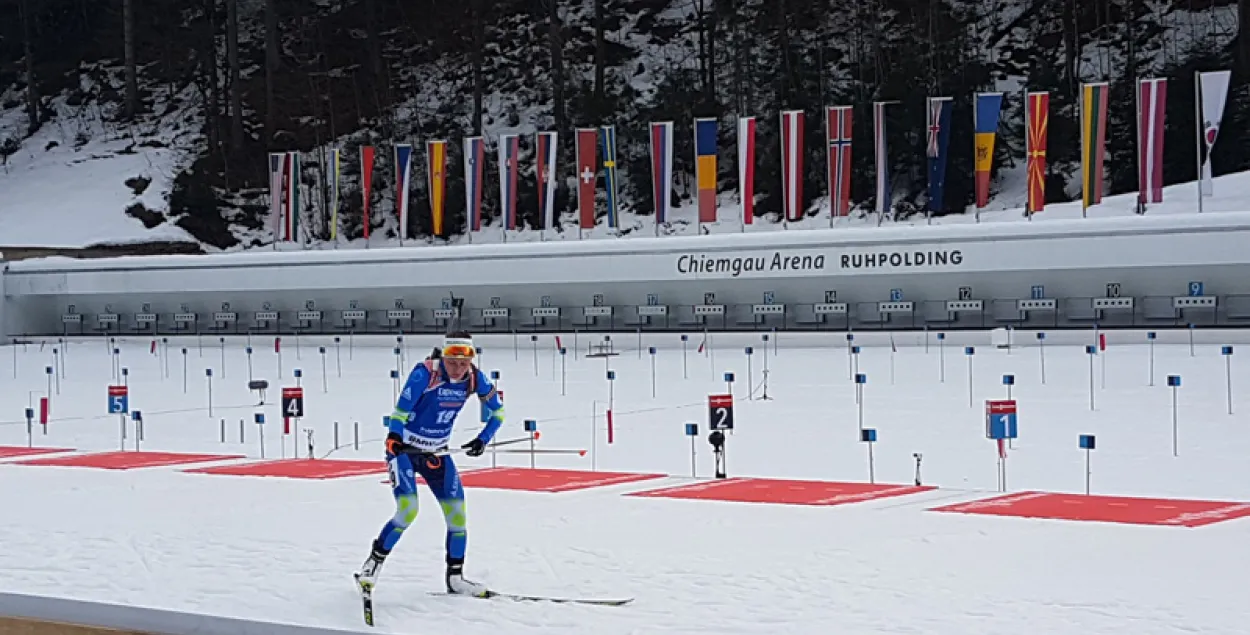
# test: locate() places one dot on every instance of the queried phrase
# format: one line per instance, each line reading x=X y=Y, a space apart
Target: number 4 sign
x=292 y=402
x=720 y=412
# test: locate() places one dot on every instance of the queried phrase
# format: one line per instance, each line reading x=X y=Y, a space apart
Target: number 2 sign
x=720 y=412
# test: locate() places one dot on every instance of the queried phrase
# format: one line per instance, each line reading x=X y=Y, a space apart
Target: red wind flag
x=587 y=169
x=1037 y=116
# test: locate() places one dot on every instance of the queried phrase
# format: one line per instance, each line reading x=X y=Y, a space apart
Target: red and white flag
x=746 y=170
x=838 y=140
x=1151 y=106
x=587 y=170
x=1212 y=92
x=792 y=163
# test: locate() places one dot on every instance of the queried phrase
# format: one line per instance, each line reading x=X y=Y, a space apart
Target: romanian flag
x=436 y=153
x=705 y=167
x=1037 y=118
x=607 y=137
x=1093 y=142
x=985 y=125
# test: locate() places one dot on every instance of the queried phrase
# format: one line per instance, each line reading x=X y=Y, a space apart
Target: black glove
x=395 y=444
x=474 y=448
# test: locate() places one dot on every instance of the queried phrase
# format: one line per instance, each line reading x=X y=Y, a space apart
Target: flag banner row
x=597 y=163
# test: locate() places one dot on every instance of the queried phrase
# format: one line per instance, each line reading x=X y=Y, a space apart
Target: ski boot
x=457 y=584
x=369 y=571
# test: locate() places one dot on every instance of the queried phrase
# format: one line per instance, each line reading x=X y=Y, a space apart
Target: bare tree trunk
x=783 y=46
x=600 y=52
x=479 y=84
x=555 y=40
x=709 y=86
x=271 y=70
x=1243 y=32
x=210 y=77
x=371 y=30
x=700 y=20
x=1070 y=43
x=32 y=90
x=132 y=79
x=236 y=87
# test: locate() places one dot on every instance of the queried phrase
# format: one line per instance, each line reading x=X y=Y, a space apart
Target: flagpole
x=1028 y=157
x=1085 y=167
x=1198 y=137
x=1141 y=182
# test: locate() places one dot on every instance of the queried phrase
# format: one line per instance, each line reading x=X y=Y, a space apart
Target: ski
x=366 y=599
x=541 y=598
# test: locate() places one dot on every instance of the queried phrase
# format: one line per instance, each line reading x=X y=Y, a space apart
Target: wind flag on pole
x=939 y=127
x=608 y=138
x=403 y=181
x=366 y=182
x=1093 y=142
x=334 y=195
x=474 y=160
x=587 y=166
x=292 y=217
x=985 y=124
x=277 y=176
x=509 y=155
x=838 y=141
x=662 y=171
x=792 y=164
x=746 y=170
x=1212 y=91
x=546 y=173
x=705 y=133
x=1151 y=107
x=1037 y=122
x=883 y=159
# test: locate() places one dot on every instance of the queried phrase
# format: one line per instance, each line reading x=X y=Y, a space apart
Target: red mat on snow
x=539 y=480
x=127 y=460
x=783 y=492
x=1107 y=509
x=9 y=451
x=298 y=468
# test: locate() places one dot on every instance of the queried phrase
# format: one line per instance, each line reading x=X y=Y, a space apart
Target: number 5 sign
x=119 y=400
x=720 y=412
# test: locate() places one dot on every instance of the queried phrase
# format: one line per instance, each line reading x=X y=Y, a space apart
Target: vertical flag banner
x=838 y=141
x=792 y=163
x=938 y=117
x=587 y=167
x=474 y=158
x=436 y=156
x=662 y=171
x=509 y=153
x=277 y=175
x=985 y=114
x=1212 y=93
x=1093 y=142
x=1151 y=106
x=546 y=173
x=292 y=217
x=1037 y=123
x=882 y=159
x=334 y=196
x=366 y=182
x=746 y=170
x=607 y=137
x=403 y=181
x=705 y=132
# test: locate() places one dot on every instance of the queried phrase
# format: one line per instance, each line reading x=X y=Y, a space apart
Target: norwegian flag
x=838 y=136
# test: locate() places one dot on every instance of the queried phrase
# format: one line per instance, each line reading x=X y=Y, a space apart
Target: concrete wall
x=1150 y=258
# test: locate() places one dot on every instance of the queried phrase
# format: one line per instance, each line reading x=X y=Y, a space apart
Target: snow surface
x=283 y=550
x=66 y=184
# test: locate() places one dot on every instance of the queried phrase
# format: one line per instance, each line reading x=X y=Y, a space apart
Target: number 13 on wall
x=720 y=412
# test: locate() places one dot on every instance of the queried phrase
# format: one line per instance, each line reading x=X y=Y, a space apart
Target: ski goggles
x=459 y=350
